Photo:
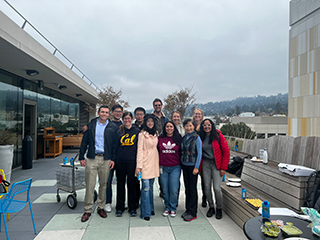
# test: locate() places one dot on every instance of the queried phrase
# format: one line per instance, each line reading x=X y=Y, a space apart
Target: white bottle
x=265 y=156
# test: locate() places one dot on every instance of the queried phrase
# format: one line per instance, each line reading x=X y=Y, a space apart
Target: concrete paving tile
x=97 y=222
x=66 y=210
x=178 y=221
x=225 y=227
x=43 y=183
x=41 y=189
x=154 y=233
x=106 y=233
x=52 y=197
x=227 y=233
x=194 y=232
x=26 y=235
x=20 y=223
x=66 y=222
x=61 y=235
x=155 y=221
x=42 y=208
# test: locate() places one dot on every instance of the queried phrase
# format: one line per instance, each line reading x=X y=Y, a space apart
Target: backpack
x=313 y=191
x=235 y=167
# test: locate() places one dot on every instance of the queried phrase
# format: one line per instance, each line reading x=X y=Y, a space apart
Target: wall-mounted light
x=62 y=87
x=78 y=95
x=32 y=72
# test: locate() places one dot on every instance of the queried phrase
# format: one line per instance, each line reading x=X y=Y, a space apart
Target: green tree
x=109 y=96
x=218 y=120
x=278 y=107
x=180 y=101
x=237 y=110
x=240 y=130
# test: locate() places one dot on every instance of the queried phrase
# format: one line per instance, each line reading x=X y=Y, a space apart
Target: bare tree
x=110 y=96
x=180 y=101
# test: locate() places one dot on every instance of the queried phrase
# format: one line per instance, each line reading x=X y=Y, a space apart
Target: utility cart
x=70 y=179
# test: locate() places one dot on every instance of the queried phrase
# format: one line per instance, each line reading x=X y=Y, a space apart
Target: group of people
x=154 y=146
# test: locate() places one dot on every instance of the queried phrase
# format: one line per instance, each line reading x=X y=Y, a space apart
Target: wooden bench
x=289 y=190
x=264 y=182
x=72 y=140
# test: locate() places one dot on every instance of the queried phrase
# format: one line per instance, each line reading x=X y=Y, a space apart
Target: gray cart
x=70 y=179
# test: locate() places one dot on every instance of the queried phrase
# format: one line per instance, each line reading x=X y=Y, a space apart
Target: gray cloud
x=226 y=49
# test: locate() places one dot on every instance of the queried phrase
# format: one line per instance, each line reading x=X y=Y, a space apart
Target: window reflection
x=62 y=115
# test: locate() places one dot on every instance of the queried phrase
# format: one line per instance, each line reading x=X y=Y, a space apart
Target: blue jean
x=170 y=179
x=147 y=204
x=109 y=187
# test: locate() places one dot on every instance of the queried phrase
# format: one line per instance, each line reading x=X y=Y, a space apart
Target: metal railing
x=73 y=66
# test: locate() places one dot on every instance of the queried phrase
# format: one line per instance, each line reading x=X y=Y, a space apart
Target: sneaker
x=219 y=213
x=119 y=213
x=184 y=214
x=165 y=213
x=189 y=218
x=152 y=213
x=133 y=213
x=173 y=214
x=147 y=218
x=108 y=208
x=211 y=212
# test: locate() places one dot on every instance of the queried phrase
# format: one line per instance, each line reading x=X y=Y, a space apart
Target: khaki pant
x=94 y=166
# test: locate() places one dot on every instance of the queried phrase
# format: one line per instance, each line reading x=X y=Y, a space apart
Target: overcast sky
x=148 y=48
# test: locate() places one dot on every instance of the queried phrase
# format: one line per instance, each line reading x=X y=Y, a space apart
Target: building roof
x=20 y=52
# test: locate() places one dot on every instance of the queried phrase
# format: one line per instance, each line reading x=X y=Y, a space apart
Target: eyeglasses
x=157 y=105
x=206 y=125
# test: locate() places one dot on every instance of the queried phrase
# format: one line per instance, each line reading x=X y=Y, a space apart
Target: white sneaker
x=165 y=213
x=108 y=207
x=173 y=214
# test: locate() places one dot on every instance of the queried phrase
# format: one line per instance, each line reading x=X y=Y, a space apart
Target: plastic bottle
x=223 y=178
x=65 y=160
x=139 y=175
x=244 y=193
x=236 y=146
x=265 y=156
x=265 y=210
x=71 y=161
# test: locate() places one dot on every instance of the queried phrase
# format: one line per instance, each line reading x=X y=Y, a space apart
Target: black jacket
x=88 y=141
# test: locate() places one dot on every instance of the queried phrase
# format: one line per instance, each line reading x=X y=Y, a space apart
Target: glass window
x=55 y=119
x=30 y=90
x=44 y=112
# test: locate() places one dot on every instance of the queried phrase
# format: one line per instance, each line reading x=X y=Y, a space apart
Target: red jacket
x=221 y=153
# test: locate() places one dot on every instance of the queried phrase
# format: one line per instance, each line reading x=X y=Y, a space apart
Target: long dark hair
x=213 y=134
x=151 y=131
x=176 y=138
x=122 y=126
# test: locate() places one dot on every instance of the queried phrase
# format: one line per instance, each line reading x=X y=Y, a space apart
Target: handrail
x=92 y=84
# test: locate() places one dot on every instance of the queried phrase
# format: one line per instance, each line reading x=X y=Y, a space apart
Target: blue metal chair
x=9 y=204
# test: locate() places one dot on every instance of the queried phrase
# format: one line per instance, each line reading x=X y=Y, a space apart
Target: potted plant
x=7 y=141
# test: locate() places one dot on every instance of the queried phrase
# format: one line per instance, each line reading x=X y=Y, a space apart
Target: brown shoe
x=85 y=217
x=102 y=213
